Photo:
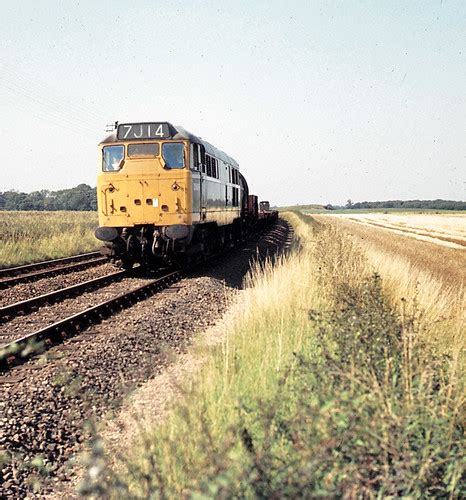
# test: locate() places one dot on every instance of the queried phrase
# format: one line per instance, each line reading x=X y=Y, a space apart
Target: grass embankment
x=34 y=236
x=329 y=383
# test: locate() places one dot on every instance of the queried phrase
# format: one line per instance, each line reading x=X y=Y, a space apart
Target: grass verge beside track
x=329 y=383
x=27 y=237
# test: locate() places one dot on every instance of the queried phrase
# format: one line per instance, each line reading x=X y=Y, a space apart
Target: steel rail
x=48 y=273
x=14 y=271
x=12 y=310
x=72 y=325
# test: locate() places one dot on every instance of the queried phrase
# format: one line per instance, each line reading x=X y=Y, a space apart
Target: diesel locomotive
x=166 y=195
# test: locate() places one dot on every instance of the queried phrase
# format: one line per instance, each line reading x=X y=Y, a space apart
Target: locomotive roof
x=182 y=134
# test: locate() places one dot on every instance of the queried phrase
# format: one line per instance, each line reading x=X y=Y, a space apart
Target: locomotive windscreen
x=128 y=131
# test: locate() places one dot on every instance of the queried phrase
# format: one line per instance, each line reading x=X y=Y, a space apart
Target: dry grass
x=34 y=236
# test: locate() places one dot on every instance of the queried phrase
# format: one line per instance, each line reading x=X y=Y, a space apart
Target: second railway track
x=32 y=272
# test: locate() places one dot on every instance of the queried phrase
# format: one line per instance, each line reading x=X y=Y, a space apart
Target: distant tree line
x=420 y=204
x=82 y=197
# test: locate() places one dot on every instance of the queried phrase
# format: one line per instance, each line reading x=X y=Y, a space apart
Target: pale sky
x=317 y=101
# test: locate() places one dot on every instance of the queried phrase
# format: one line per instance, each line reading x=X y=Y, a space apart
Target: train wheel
x=127 y=264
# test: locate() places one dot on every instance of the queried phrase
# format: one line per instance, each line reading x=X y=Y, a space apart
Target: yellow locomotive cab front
x=144 y=183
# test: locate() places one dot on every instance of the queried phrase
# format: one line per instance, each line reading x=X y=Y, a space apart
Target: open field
x=34 y=236
x=448 y=229
x=319 y=209
x=330 y=380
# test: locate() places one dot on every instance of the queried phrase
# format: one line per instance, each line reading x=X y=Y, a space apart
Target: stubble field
x=448 y=230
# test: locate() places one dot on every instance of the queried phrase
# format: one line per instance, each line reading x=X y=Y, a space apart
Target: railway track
x=20 y=349
x=32 y=272
x=15 y=350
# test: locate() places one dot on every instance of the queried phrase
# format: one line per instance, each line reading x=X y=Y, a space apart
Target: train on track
x=165 y=195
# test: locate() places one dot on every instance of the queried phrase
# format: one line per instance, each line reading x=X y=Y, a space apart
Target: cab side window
x=195 y=157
